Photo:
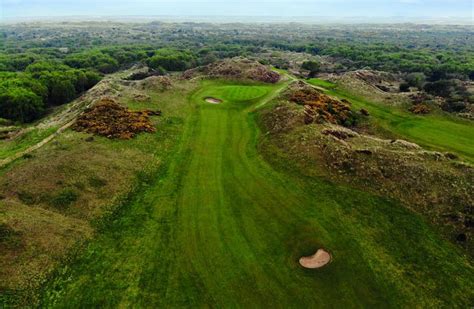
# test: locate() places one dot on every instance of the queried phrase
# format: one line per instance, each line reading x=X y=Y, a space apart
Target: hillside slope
x=198 y=214
x=432 y=183
x=220 y=227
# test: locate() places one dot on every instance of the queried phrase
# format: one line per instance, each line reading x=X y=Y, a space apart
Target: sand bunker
x=212 y=100
x=317 y=260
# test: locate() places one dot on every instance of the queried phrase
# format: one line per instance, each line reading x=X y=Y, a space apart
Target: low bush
x=64 y=198
x=97 y=182
x=8 y=237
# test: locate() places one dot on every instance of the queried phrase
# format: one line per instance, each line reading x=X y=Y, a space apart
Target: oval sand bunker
x=317 y=260
x=212 y=100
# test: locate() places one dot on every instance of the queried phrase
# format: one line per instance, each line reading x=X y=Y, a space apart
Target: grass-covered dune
x=438 y=131
x=218 y=226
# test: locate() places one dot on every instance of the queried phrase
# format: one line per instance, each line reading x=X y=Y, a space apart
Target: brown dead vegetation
x=318 y=107
x=420 y=109
x=263 y=74
x=110 y=119
x=385 y=81
x=236 y=68
x=375 y=86
x=155 y=83
x=418 y=98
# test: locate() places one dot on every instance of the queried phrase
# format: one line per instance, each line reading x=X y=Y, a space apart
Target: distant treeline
x=32 y=82
x=387 y=57
x=24 y=95
x=44 y=66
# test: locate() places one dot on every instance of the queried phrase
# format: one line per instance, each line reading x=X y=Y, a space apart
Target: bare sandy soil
x=317 y=260
x=213 y=100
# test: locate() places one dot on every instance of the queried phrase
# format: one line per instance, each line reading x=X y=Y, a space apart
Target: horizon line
x=465 y=20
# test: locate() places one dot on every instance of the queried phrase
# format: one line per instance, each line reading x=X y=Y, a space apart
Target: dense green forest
x=45 y=65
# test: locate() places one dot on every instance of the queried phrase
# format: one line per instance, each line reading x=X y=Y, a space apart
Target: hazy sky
x=286 y=8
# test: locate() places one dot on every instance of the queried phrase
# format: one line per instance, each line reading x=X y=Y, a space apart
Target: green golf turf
x=219 y=227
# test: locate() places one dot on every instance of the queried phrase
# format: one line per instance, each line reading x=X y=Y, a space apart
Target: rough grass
x=220 y=227
x=438 y=131
x=9 y=238
x=41 y=239
x=64 y=198
x=28 y=139
x=58 y=197
x=321 y=83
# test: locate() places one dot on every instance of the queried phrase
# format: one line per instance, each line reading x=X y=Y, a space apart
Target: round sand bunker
x=317 y=260
x=212 y=100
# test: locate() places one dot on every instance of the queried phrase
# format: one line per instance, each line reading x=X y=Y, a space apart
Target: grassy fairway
x=219 y=227
x=438 y=131
x=322 y=83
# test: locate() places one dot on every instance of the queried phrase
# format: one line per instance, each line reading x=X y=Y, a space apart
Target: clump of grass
x=27 y=198
x=9 y=237
x=64 y=198
x=27 y=156
x=80 y=185
x=5 y=122
x=97 y=182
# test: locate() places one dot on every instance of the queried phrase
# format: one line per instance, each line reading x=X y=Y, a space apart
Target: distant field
x=437 y=131
x=220 y=227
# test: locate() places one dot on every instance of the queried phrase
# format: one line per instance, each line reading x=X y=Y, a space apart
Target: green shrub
x=404 y=87
x=64 y=198
x=97 y=182
x=20 y=104
x=5 y=122
x=171 y=60
x=27 y=197
x=312 y=66
x=9 y=237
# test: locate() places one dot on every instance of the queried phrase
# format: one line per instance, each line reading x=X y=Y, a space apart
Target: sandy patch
x=212 y=100
x=317 y=260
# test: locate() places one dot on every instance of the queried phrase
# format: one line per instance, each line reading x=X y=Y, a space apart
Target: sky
x=284 y=8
